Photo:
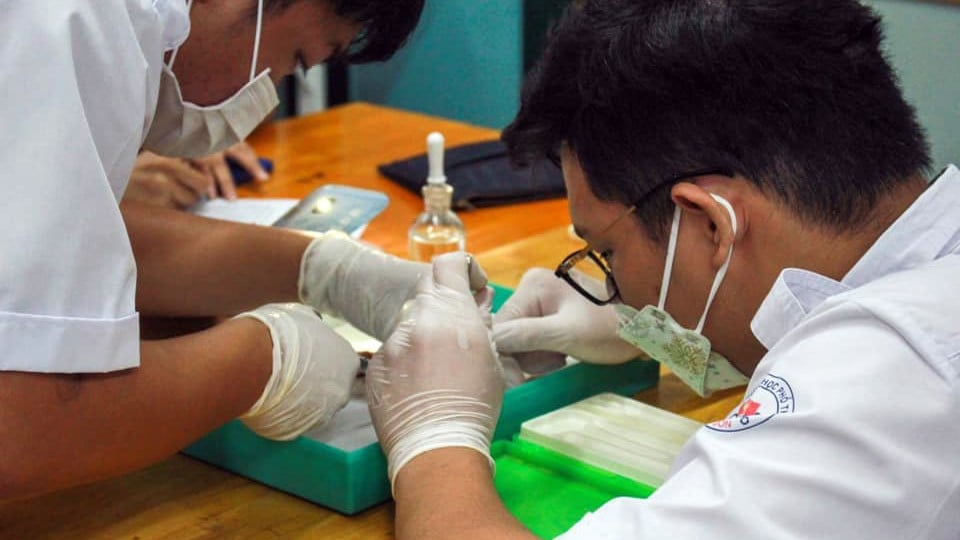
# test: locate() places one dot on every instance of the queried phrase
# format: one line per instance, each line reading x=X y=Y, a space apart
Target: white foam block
x=615 y=433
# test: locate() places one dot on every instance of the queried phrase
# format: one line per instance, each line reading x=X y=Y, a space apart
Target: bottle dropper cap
x=435 y=158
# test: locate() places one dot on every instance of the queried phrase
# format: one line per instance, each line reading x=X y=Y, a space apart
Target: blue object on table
x=241 y=176
x=332 y=206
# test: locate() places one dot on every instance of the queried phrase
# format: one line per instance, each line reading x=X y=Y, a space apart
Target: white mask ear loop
x=671 y=251
x=722 y=272
x=256 y=40
x=173 y=55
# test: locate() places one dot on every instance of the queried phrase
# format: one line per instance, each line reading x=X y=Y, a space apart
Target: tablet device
x=335 y=207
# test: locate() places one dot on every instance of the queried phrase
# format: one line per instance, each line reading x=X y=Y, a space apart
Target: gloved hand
x=360 y=284
x=436 y=382
x=313 y=371
x=546 y=319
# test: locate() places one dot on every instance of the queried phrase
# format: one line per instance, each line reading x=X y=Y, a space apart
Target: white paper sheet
x=256 y=211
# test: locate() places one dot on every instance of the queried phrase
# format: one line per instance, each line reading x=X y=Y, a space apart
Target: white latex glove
x=360 y=284
x=546 y=319
x=436 y=382
x=314 y=369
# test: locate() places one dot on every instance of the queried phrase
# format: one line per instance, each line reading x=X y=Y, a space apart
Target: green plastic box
x=350 y=482
x=549 y=492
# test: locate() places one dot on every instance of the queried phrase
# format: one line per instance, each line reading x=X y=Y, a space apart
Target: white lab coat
x=78 y=87
x=849 y=425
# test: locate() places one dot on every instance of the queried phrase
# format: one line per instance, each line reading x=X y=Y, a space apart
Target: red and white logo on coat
x=772 y=396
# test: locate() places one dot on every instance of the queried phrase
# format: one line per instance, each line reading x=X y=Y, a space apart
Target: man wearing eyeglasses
x=752 y=187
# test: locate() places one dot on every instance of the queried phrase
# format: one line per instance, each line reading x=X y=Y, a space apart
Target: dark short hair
x=386 y=25
x=795 y=96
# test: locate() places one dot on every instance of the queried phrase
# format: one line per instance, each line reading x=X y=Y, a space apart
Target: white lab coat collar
x=793 y=295
x=175 y=19
x=928 y=229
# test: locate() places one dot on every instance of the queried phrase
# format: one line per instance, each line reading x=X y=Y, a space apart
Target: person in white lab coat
x=85 y=86
x=751 y=180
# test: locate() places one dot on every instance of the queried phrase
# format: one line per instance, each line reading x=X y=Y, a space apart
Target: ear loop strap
x=671 y=251
x=722 y=272
x=173 y=55
x=256 y=40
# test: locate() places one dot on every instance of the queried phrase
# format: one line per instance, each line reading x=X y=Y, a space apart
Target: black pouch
x=481 y=175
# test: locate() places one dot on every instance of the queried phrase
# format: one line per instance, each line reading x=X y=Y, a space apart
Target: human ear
x=693 y=198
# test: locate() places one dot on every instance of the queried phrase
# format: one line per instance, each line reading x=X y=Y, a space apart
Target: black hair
x=386 y=25
x=797 y=97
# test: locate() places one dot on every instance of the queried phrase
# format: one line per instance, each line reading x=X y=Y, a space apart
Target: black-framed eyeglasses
x=588 y=261
x=591 y=263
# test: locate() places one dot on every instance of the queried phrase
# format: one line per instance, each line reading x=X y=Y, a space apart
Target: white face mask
x=182 y=129
x=686 y=352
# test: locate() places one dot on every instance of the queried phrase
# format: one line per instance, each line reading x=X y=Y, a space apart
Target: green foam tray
x=548 y=491
x=350 y=482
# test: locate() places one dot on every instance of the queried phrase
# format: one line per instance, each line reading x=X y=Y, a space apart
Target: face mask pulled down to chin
x=187 y=130
x=686 y=352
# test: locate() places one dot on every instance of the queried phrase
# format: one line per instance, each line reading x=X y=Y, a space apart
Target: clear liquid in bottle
x=428 y=241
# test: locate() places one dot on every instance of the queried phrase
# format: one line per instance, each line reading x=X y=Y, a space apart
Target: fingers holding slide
x=452 y=270
x=530 y=299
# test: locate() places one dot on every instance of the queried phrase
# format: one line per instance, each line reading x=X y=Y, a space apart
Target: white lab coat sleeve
x=77 y=88
x=845 y=432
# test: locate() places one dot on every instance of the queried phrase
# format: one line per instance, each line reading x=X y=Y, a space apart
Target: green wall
x=464 y=61
x=923 y=42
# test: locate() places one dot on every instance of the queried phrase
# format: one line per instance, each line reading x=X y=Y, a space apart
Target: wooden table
x=182 y=498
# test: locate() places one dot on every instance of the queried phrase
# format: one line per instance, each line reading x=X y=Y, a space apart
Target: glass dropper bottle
x=437 y=229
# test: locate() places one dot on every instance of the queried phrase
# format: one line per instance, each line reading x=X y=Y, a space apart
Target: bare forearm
x=63 y=430
x=449 y=493
x=192 y=266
